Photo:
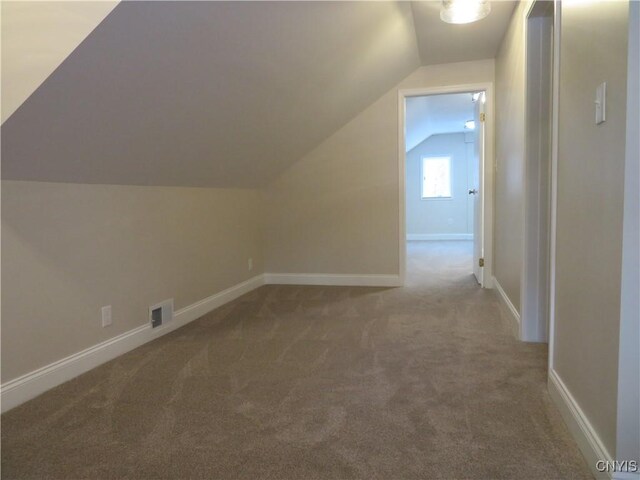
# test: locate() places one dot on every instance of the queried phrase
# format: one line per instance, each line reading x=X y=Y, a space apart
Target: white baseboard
x=198 y=309
x=583 y=432
x=515 y=316
x=439 y=236
x=332 y=279
x=30 y=385
x=26 y=387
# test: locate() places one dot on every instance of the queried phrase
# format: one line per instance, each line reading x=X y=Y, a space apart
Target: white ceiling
x=441 y=42
x=224 y=94
x=436 y=114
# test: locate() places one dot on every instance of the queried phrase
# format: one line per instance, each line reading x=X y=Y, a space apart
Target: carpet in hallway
x=424 y=381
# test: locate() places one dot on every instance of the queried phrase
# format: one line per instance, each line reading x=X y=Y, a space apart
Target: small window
x=436 y=177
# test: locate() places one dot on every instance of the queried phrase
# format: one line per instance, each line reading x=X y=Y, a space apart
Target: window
x=436 y=177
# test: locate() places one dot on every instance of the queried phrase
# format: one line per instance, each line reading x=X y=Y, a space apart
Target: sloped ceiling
x=207 y=93
x=37 y=37
x=214 y=94
x=436 y=114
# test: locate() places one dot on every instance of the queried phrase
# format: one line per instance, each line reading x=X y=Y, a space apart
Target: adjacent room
x=320 y=240
x=443 y=155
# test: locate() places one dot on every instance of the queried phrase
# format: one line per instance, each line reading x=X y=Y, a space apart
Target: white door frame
x=486 y=171
x=537 y=278
x=553 y=214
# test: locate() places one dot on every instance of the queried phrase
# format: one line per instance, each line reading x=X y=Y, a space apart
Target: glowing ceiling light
x=464 y=11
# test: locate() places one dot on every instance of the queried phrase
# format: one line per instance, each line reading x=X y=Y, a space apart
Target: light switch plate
x=601 y=103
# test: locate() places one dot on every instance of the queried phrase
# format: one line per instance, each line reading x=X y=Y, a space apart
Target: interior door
x=475 y=189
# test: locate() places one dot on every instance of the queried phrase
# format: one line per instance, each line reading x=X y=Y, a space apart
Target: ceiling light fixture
x=478 y=96
x=464 y=11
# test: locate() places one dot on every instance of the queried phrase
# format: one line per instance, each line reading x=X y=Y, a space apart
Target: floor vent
x=161 y=313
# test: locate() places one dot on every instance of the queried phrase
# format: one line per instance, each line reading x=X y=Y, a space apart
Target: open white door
x=476 y=190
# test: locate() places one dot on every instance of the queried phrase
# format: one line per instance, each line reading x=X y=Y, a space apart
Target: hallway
x=424 y=381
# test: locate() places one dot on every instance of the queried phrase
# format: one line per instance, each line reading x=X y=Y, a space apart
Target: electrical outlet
x=250 y=264
x=106 y=316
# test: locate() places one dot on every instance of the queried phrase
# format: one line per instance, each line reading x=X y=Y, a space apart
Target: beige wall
x=590 y=192
x=510 y=101
x=68 y=249
x=336 y=210
x=590 y=200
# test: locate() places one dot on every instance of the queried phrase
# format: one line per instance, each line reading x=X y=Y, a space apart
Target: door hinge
x=481 y=262
x=482 y=117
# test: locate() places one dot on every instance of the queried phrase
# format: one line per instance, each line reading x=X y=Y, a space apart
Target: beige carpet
x=293 y=382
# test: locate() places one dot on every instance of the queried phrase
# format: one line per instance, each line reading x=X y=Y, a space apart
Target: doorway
x=446 y=172
x=538 y=165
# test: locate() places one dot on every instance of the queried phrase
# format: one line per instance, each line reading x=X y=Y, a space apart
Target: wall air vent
x=161 y=313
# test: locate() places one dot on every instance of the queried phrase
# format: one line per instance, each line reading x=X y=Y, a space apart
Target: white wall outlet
x=250 y=264
x=106 y=316
x=601 y=103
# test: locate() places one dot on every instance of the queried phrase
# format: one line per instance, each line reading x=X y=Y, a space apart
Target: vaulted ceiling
x=37 y=37
x=221 y=94
x=436 y=114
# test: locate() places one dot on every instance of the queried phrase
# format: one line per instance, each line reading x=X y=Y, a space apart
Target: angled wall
x=207 y=94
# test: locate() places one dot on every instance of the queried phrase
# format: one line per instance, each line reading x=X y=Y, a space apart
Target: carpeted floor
x=288 y=382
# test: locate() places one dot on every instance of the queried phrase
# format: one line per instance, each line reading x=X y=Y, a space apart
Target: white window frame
x=433 y=157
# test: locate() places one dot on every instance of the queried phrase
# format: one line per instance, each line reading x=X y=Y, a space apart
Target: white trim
x=334 y=279
x=515 y=316
x=30 y=385
x=535 y=272
x=439 y=236
x=402 y=194
x=583 y=432
x=198 y=309
x=553 y=214
x=487 y=171
x=26 y=387
x=628 y=405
